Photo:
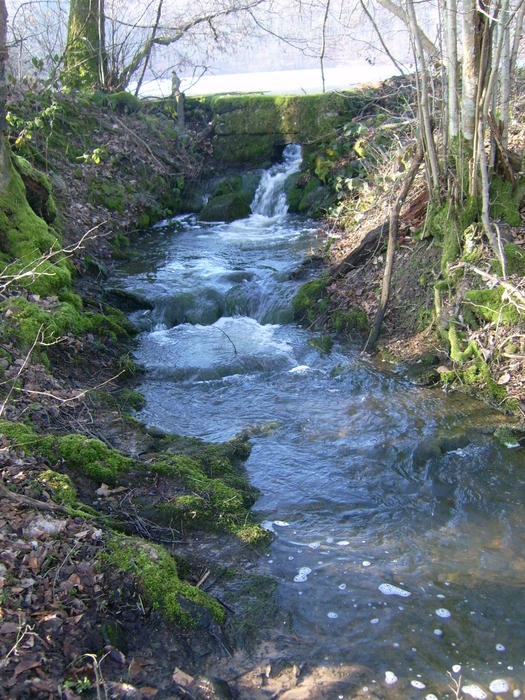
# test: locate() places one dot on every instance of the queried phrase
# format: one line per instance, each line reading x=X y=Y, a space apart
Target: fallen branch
x=392 y=236
x=25 y=501
x=510 y=288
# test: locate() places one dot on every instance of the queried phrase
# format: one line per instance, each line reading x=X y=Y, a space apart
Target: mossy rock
x=27 y=238
x=38 y=189
x=294 y=191
x=310 y=302
x=226 y=207
x=157 y=577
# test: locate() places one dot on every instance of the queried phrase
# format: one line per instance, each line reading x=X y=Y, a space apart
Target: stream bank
x=58 y=559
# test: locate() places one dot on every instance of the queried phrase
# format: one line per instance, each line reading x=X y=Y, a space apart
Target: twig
x=25 y=501
x=71 y=399
x=22 y=368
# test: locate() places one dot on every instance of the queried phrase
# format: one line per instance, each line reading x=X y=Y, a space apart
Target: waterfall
x=270 y=198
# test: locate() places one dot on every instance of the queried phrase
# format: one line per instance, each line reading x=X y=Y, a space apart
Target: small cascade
x=270 y=198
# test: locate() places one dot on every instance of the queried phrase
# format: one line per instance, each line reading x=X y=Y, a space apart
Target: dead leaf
x=148 y=692
x=24 y=666
x=504 y=379
x=182 y=678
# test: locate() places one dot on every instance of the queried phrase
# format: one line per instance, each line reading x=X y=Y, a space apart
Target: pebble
x=418 y=685
x=443 y=612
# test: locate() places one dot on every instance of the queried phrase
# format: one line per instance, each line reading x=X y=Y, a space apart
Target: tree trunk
x=84 y=57
x=470 y=70
x=392 y=237
x=424 y=99
x=4 y=154
x=452 y=68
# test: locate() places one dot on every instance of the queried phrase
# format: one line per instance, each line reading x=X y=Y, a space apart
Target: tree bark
x=84 y=57
x=423 y=97
x=4 y=153
x=392 y=236
x=470 y=70
x=452 y=68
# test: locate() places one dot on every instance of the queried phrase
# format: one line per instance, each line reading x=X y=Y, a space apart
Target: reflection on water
x=399 y=521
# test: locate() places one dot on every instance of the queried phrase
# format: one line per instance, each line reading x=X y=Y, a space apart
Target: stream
x=399 y=520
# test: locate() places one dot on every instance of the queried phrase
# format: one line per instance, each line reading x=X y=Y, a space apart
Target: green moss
x=226 y=207
x=448 y=224
x=26 y=237
x=515 y=259
x=132 y=399
x=62 y=489
x=309 y=302
x=489 y=305
x=158 y=579
x=323 y=344
x=347 y=321
x=109 y=194
x=456 y=354
x=502 y=202
x=219 y=495
x=87 y=456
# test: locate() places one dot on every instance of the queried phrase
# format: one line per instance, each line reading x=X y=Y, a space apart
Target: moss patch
x=26 y=237
x=87 y=456
x=157 y=576
x=489 y=305
x=62 y=489
x=310 y=301
x=503 y=204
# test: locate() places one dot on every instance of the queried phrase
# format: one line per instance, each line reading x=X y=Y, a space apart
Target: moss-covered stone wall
x=252 y=129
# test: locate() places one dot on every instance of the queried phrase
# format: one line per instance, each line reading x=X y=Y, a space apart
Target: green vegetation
x=489 y=305
x=310 y=303
x=323 y=344
x=62 y=488
x=87 y=456
x=155 y=570
x=220 y=496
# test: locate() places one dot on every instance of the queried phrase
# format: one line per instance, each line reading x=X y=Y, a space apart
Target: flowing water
x=399 y=520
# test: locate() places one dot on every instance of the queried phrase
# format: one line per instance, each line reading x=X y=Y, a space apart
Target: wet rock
x=226 y=207
x=45 y=525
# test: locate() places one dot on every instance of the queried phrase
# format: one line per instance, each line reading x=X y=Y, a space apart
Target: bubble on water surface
x=343 y=543
x=390 y=678
x=342 y=586
x=389 y=589
x=332 y=615
x=314 y=545
x=443 y=612
x=281 y=523
x=474 y=691
x=499 y=685
x=456 y=668
x=500 y=647
x=418 y=685
x=431 y=696
x=438 y=632
x=516 y=693
x=366 y=563
x=374 y=621
x=303 y=574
